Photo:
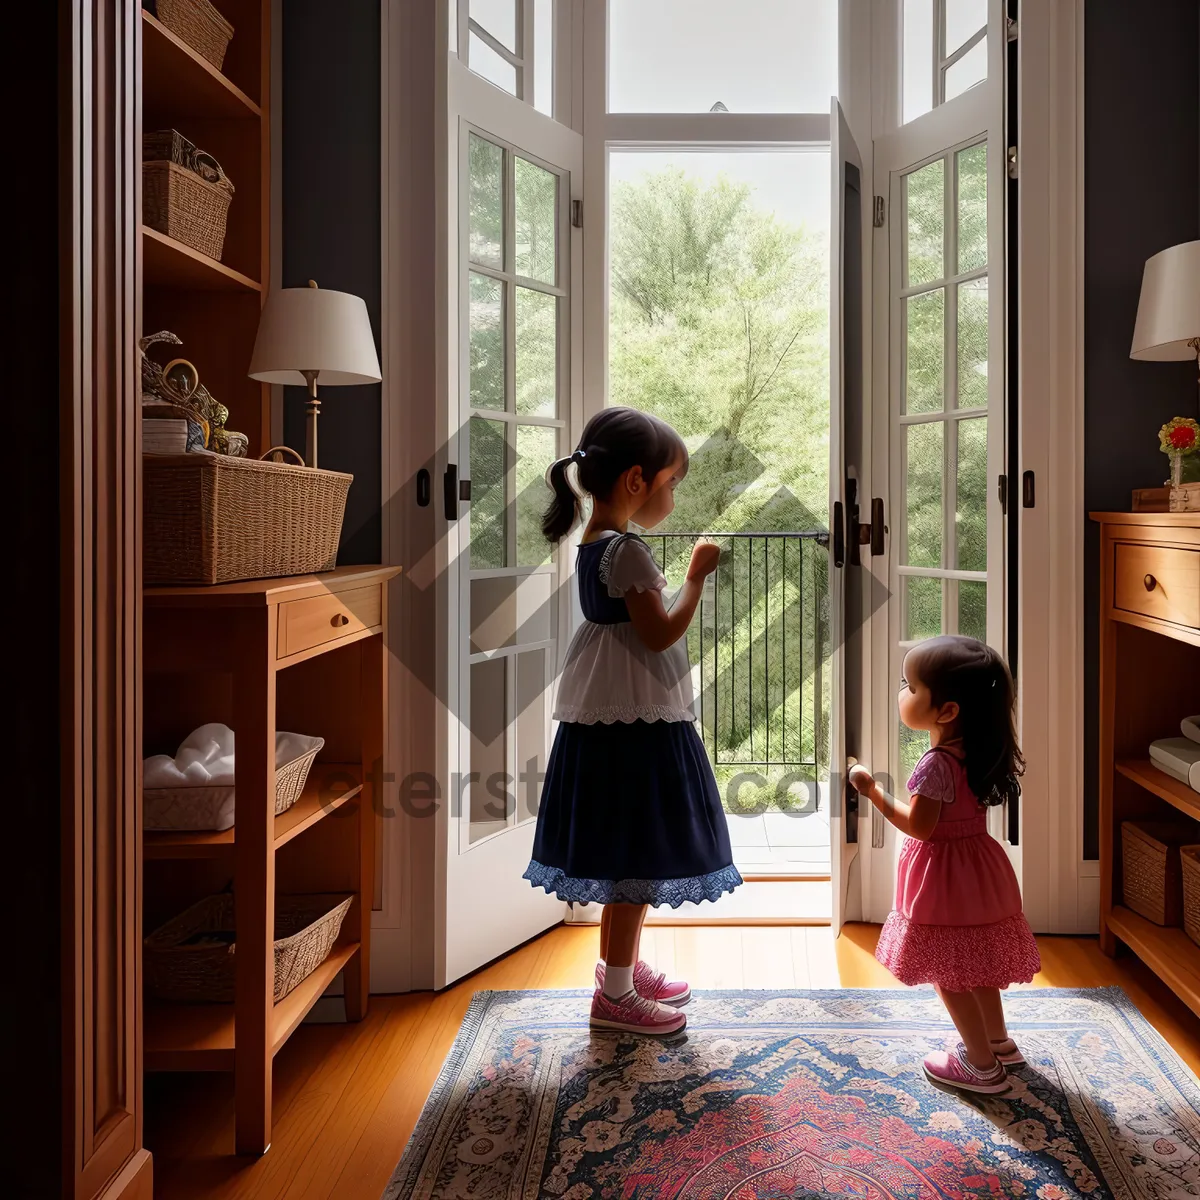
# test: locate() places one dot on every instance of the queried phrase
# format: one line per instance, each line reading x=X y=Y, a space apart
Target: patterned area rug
x=774 y=1095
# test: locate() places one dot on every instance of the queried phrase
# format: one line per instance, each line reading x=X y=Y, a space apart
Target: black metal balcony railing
x=759 y=648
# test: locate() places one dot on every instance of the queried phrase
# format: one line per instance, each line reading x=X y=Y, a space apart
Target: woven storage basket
x=1152 y=882
x=210 y=519
x=1189 y=861
x=212 y=808
x=306 y=928
x=185 y=206
x=199 y=24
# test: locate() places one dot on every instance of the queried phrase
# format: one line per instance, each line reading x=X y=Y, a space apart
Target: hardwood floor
x=347 y=1096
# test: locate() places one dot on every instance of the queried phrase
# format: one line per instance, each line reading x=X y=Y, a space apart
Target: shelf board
x=177 y=82
x=200 y=1037
x=1145 y=774
x=1168 y=952
x=167 y=263
x=328 y=787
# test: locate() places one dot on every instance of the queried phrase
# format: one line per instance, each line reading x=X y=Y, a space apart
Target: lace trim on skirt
x=673 y=892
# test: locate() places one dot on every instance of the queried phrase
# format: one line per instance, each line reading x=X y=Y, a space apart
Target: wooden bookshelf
x=214 y=306
x=1149 y=665
x=324 y=843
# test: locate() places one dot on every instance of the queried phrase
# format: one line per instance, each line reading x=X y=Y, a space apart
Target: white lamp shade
x=314 y=329
x=1169 y=311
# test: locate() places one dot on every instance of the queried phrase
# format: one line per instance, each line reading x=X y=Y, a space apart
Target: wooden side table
x=1149 y=681
x=304 y=654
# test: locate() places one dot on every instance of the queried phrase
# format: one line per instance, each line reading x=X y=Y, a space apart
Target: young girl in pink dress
x=957 y=922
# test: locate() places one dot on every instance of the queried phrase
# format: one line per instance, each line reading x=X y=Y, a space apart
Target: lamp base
x=312 y=411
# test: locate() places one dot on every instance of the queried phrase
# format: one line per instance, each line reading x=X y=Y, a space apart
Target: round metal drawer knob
x=1150 y=582
x=339 y=619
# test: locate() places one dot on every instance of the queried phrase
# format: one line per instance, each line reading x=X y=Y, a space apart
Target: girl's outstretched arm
x=917 y=817
x=658 y=628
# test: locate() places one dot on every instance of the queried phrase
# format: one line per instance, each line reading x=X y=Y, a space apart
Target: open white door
x=846 y=548
x=512 y=173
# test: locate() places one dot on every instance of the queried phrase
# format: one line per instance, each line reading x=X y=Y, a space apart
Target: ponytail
x=564 y=507
x=614 y=440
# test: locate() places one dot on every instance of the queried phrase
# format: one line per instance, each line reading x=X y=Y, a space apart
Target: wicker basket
x=212 y=808
x=1152 y=884
x=210 y=519
x=1189 y=862
x=185 y=206
x=306 y=928
x=199 y=24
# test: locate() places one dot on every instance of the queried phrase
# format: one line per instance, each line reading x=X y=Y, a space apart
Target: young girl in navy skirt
x=630 y=813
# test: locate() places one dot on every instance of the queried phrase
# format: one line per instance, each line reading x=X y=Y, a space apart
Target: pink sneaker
x=1008 y=1053
x=652 y=984
x=952 y=1069
x=635 y=1014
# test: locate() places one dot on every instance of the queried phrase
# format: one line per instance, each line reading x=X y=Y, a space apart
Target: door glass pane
x=968 y=71
x=536 y=450
x=533 y=727
x=489 y=797
x=689 y=56
x=486 y=168
x=543 y=56
x=923 y=487
x=487 y=342
x=963 y=18
x=925 y=201
x=536 y=352
x=970 y=518
x=973 y=344
x=972 y=609
x=925 y=351
x=536 y=205
x=489 y=516
x=499 y=18
x=486 y=62
x=918 y=58
x=972 y=208
x=922 y=608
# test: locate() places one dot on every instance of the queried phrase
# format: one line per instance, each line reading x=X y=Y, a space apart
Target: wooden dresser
x=303 y=654
x=1149 y=681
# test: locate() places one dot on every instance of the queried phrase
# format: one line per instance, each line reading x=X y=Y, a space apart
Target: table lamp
x=309 y=333
x=1168 y=316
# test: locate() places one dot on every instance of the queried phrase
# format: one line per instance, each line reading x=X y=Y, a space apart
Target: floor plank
x=347 y=1096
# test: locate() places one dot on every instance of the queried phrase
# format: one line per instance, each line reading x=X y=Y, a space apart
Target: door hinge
x=1011 y=159
x=577 y=214
x=879 y=213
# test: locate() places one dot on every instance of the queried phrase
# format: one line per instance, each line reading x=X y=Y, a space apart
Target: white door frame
x=900 y=148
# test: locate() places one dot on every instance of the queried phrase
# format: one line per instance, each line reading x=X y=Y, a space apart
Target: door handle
x=450 y=491
x=839 y=536
x=874 y=533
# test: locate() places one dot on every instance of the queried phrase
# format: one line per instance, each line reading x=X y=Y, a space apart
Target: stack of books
x=164 y=435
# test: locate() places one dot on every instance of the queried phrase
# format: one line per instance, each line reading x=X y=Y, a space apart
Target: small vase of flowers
x=1179 y=440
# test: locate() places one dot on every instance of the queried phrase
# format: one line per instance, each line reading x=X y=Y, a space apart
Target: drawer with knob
x=319 y=619
x=1158 y=581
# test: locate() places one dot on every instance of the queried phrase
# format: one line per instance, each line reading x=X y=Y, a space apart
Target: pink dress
x=957 y=921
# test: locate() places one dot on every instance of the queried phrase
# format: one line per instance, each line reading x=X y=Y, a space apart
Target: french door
x=940 y=368
x=511 y=172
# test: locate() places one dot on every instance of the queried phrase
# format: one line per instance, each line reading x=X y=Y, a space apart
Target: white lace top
x=610 y=674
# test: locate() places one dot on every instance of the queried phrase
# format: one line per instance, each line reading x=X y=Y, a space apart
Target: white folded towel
x=1191 y=727
x=1194 y=777
x=205 y=758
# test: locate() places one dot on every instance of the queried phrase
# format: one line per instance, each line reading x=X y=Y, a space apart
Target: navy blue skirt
x=630 y=814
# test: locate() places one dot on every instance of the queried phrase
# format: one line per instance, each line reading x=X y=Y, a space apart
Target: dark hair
x=613 y=441
x=976 y=678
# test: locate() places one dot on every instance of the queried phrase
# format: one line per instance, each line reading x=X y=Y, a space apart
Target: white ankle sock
x=617 y=981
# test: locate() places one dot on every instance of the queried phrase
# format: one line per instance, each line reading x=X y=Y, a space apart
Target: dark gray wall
x=331 y=165
x=1142 y=194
